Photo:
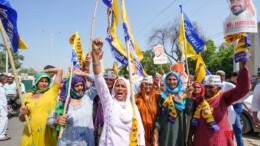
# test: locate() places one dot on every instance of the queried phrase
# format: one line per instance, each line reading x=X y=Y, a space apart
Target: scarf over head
x=177 y=93
x=125 y=109
x=147 y=105
x=64 y=92
x=194 y=95
x=38 y=77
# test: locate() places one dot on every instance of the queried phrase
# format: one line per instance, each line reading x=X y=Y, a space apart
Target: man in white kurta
x=3 y=109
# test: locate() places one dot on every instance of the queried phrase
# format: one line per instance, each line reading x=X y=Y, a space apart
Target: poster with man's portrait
x=242 y=17
x=159 y=55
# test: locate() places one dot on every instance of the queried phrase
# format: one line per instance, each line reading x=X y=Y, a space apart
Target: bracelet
x=96 y=63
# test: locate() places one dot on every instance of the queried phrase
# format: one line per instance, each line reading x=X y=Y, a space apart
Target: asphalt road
x=15 y=131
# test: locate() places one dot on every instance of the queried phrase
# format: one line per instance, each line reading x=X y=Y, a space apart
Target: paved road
x=15 y=131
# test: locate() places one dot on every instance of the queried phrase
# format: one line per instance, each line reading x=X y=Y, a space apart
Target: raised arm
x=100 y=83
x=242 y=88
x=58 y=71
x=97 y=54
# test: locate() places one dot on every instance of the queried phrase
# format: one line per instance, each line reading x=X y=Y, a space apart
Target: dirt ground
x=251 y=139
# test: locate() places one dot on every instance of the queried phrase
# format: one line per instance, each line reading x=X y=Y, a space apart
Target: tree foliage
x=221 y=60
x=30 y=71
x=17 y=60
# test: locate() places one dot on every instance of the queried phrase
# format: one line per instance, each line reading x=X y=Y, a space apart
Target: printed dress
x=40 y=109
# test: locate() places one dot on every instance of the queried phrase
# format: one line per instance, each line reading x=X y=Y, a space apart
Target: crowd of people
x=99 y=108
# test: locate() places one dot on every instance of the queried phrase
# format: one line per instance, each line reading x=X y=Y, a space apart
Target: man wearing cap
x=10 y=88
x=3 y=109
x=210 y=119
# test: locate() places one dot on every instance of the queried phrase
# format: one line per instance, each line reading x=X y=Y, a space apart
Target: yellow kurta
x=40 y=109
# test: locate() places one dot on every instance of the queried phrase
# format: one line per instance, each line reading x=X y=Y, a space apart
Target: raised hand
x=189 y=90
x=97 y=52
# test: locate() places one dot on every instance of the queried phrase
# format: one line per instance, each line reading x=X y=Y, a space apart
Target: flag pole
x=185 y=48
x=186 y=60
x=92 y=27
x=10 y=56
x=67 y=98
x=130 y=76
x=92 y=32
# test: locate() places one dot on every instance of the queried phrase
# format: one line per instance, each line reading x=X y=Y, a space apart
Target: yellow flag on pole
x=75 y=40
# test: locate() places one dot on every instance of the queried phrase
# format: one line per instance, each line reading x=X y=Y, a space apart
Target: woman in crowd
x=38 y=106
x=118 y=110
x=78 y=124
x=162 y=87
x=146 y=101
x=198 y=90
x=173 y=106
x=156 y=87
x=98 y=115
x=210 y=120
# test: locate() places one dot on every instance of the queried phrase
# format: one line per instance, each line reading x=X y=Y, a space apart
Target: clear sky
x=46 y=25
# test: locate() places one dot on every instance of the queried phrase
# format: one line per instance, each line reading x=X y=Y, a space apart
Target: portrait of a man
x=242 y=17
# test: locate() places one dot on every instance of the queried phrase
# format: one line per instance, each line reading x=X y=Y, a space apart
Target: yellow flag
x=75 y=40
x=116 y=11
x=126 y=21
x=182 y=40
x=115 y=68
x=200 y=69
x=22 y=44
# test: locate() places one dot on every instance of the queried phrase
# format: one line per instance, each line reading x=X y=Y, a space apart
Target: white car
x=246 y=117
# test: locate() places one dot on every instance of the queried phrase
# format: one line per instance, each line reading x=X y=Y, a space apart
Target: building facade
x=254 y=62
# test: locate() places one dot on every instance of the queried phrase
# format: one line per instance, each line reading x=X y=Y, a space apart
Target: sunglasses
x=109 y=79
x=147 y=84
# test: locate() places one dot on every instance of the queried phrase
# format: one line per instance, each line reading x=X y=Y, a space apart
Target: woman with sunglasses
x=146 y=101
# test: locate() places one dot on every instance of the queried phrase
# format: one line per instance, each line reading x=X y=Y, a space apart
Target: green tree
x=211 y=50
x=222 y=60
x=30 y=71
x=148 y=65
x=17 y=60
